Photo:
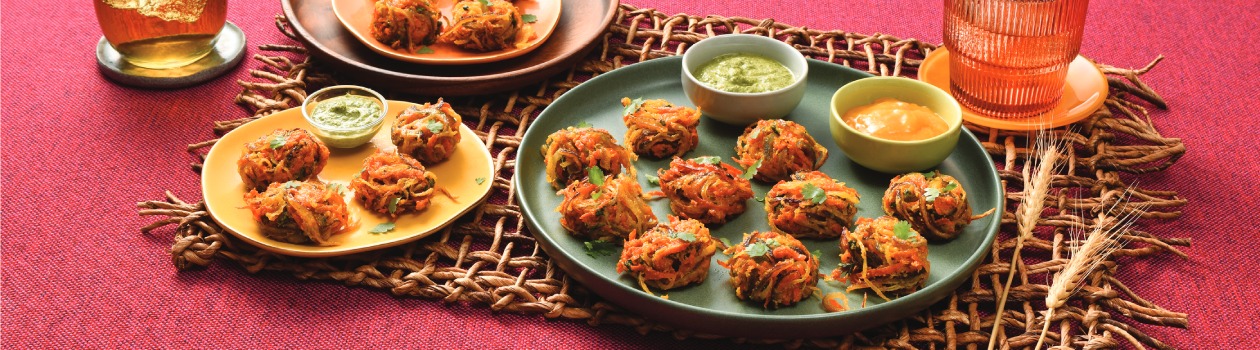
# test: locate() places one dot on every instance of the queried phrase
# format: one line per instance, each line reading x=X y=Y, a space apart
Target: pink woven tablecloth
x=79 y=152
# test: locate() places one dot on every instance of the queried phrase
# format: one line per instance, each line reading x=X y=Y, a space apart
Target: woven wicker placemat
x=489 y=258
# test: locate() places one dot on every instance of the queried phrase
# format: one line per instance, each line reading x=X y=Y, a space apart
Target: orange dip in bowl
x=892 y=119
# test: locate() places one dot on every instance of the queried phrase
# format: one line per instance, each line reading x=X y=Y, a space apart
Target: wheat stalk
x=1045 y=159
x=1103 y=240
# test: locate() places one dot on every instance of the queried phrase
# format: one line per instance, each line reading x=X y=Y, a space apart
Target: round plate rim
x=306 y=36
x=943 y=287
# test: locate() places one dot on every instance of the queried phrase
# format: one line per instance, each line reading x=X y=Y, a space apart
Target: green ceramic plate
x=711 y=307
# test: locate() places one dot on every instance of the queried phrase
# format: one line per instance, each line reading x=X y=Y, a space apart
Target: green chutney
x=347 y=121
x=746 y=73
x=347 y=112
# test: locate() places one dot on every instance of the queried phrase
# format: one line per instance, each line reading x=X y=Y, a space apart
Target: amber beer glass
x=1009 y=58
x=161 y=34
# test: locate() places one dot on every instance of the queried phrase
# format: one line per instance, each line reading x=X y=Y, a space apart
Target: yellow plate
x=225 y=193
x=356 y=16
x=1084 y=91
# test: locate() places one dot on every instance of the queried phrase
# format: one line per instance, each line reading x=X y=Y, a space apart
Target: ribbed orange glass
x=1009 y=58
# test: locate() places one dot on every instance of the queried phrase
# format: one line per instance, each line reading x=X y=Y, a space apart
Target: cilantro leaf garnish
x=758 y=249
x=654 y=180
x=596 y=175
x=424 y=50
x=711 y=160
x=393 y=204
x=725 y=241
x=288 y=185
x=529 y=18
x=817 y=253
x=597 y=249
x=277 y=142
x=480 y=180
x=485 y=3
x=336 y=187
x=902 y=230
x=752 y=170
x=382 y=228
x=950 y=187
x=685 y=236
x=633 y=106
x=433 y=126
x=596 y=194
x=813 y=193
x=931 y=193
x=583 y=125
x=929 y=175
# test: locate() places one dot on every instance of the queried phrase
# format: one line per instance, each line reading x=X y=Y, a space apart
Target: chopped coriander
x=382 y=228
x=485 y=3
x=752 y=170
x=292 y=184
x=758 y=249
x=711 y=160
x=597 y=249
x=596 y=175
x=902 y=230
x=817 y=253
x=583 y=125
x=433 y=126
x=772 y=243
x=755 y=132
x=277 y=142
x=685 y=236
x=633 y=106
x=529 y=18
x=596 y=194
x=656 y=181
x=336 y=187
x=950 y=187
x=813 y=193
x=424 y=50
x=480 y=180
x=931 y=193
x=393 y=204
x=725 y=241
x=929 y=175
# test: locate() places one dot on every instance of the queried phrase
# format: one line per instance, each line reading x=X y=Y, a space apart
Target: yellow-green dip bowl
x=348 y=133
x=743 y=108
x=890 y=156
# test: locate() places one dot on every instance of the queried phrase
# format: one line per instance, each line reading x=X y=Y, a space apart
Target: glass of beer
x=1009 y=58
x=161 y=34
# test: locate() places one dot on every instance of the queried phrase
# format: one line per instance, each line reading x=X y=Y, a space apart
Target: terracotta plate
x=225 y=193
x=577 y=31
x=1084 y=92
x=711 y=307
x=356 y=15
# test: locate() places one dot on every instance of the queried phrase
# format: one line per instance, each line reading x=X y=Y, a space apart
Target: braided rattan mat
x=489 y=258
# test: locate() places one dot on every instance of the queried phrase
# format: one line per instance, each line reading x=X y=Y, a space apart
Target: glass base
x=227 y=53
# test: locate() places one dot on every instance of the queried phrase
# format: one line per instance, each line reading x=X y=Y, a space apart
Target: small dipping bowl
x=344 y=137
x=891 y=156
x=738 y=108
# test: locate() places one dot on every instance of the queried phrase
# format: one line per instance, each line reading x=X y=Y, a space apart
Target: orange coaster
x=1084 y=92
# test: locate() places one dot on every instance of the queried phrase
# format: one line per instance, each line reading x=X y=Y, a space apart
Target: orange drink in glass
x=1009 y=58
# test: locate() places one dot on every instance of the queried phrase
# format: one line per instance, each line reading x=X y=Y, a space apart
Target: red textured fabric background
x=79 y=152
